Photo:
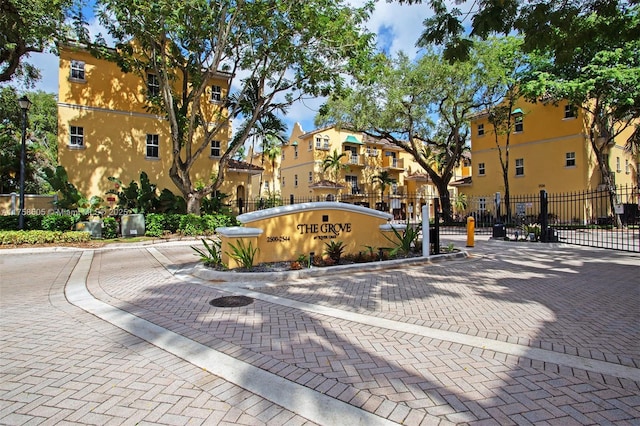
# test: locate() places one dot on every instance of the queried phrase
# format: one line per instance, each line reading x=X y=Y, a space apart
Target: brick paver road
x=526 y=334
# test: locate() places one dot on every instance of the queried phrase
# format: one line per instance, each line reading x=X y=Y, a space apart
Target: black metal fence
x=597 y=218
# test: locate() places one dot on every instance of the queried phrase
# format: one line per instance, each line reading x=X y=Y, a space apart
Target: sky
x=397 y=27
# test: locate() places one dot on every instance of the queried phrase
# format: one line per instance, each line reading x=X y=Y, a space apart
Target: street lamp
x=25 y=104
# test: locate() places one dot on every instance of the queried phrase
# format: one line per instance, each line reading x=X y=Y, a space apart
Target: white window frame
x=216 y=93
x=569 y=112
x=618 y=166
x=295 y=151
x=480 y=129
x=77 y=72
x=482 y=169
x=518 y=124
x=570 y=159
x=310 y=177
x=627 y=169
x=215 y=147
x=519 y=166
x=295 y=181
x=352 y=182
x=482 y=204
x=153 y=85
x=76 y=138
x=152 y=144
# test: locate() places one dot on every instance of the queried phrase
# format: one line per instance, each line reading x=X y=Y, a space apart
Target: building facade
x=549 y=149
x=106 y=128
x=358 y=175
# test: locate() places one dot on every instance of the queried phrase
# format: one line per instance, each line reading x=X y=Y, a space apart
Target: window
x=215 y=149
x=519 y=123
x=216 y=93
x=569 y=111
x=153 y=146
x=318 y=142
x=372 y=152
x=153 y=85
x=570 y=159
x=626 y=166
x=352 y=182
x=618 y=169
x=295 y=180
x=519 y=166
x=282 y=181
x=77 y=70
x=266 y=186
x=295 y=151
x=325 y=143
x=482 y=204
x=480 y=129
x=310 y=145
x=481 y=169
x=310 y=177
x=77 y=136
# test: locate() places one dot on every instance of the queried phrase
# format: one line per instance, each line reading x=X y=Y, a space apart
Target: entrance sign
x=287 y=232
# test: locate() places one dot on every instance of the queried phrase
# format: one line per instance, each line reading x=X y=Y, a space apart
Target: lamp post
x=25 y=104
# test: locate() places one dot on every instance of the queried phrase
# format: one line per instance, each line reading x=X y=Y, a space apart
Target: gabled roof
x=353 y=140
x=326 y=184
x=243 y=167
x=465 y=181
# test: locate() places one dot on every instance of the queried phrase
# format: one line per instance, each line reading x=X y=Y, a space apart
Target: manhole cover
x=231 y=301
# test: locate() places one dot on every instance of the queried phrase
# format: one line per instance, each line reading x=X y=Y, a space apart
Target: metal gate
x=598 y=218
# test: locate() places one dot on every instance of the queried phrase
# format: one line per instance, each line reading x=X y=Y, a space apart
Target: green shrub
x=242 y=254
x=406 y=240
x=213 y=221
x=191 y=224
x=212 y=256
x=58 y=222
x=9 y=223
x=31 y=222
x=42 y=237
x=334 y=250
x=109 y=228
x=154 y=224
x=172 y=222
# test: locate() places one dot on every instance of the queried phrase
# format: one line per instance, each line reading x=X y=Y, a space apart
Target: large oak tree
x=422 y=106
x=274 y=53
x=28 y=26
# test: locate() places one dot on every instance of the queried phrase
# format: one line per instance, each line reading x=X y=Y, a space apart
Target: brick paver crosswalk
x=410 y=345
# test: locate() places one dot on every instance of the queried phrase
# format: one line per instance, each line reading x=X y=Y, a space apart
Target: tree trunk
x=445 y=199
x=193 y=203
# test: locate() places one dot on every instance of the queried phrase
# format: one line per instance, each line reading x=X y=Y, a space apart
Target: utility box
x=499 y=230
x=93 y=227
x=132 y=225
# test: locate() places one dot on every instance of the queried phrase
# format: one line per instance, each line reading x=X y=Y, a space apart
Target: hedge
x=42 y=237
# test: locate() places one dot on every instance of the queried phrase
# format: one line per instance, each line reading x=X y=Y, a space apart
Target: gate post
x=436 y=226
x=544 y=217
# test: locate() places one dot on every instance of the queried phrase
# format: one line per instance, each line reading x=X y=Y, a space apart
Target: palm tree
x=383 y=178
x=271 y=148
x=333 y=162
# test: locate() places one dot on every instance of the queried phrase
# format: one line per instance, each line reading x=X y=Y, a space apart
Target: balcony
x=391 y=163
x=355 y=160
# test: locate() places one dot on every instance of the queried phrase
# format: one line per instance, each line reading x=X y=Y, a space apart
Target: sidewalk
x=513 y=334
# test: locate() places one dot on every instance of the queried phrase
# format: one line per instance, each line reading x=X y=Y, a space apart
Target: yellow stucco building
x=549 y=149
x=303 y=179
x=105 y=128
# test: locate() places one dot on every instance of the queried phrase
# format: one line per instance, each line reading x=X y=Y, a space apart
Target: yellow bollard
x=471 y=229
